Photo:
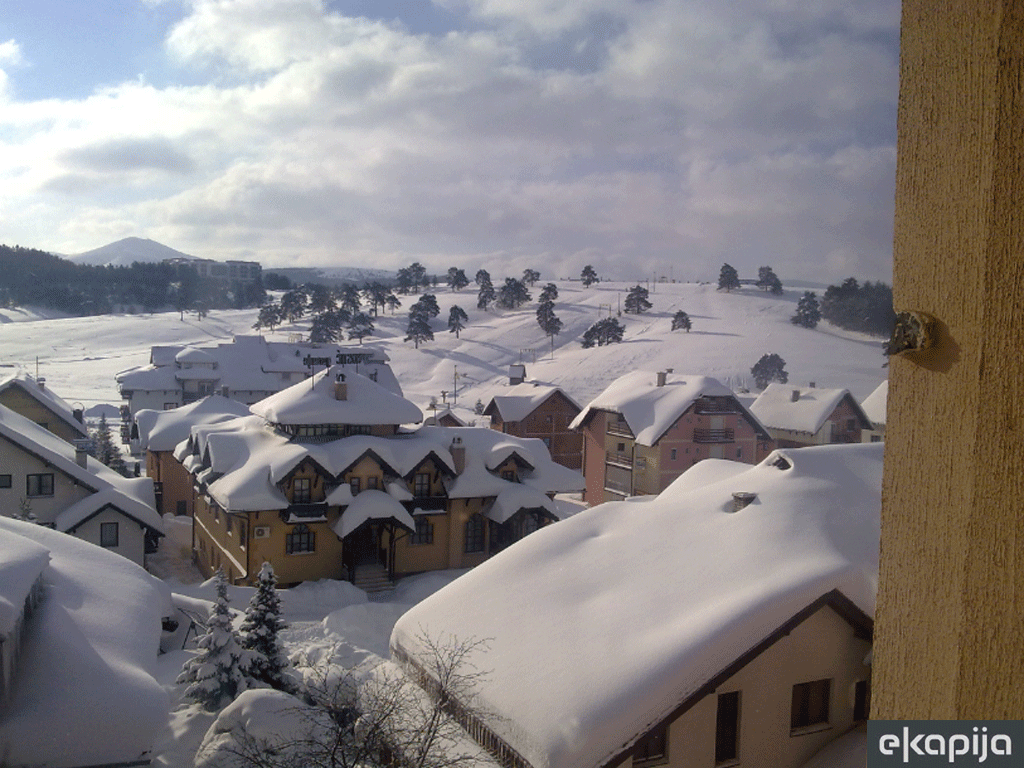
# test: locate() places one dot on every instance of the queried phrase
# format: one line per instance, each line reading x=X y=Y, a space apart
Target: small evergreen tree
x=606 y=331
x=457 y=319
x=767 y=280
x=530 y=276
x=105 y=449
x=328 y=327
x=769 y=368
x=808 y=314
x=419 y=326
x=512 y=294
x=457 y=279
x=360 y=326
x=588 y=276
x=486 y=296
x=428 y=304
x=549 y=292
x=393 y=302
x=319 y=299
x=548 y=321
x=479 y=408
x=269 y=316
x=681 y=320
x=350 y=299
x=636 y=300
x=217 y=673
x=376 y=293
x=260 y=632
x=728 y=278
x=482 y=276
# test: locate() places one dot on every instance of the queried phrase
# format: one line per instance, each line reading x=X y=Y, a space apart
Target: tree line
x=29 y=277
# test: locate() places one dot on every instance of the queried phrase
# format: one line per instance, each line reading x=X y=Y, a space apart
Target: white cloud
x=695 y=131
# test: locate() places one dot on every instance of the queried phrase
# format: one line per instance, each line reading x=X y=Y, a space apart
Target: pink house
x=647 y=428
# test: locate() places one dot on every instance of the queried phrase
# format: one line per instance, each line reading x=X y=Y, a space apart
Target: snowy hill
x=79 y=356
x=124 y=252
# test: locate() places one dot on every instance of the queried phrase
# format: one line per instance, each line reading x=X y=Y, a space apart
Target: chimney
x=340 y=387
x=41 y=381
x=458 y=451
x=795 y=396
x=516 y=374
x=812 y=385
x=82 y=452
x=742 y=499
x=79 y=415
x=662 y=378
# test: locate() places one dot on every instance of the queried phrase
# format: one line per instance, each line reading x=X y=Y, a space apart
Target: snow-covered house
x=875 y=406
x=543 y=412
x=36 y=402
x=81 y=690
x=798 y=416
x=726 y=621
x=647 y=428
x=323 y=481
x=60 y=486
x=247 y=369
x=159 y=432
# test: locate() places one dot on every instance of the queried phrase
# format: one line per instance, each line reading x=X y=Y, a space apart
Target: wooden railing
x=713 y=435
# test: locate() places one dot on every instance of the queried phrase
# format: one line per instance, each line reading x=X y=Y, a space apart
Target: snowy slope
x=79 y=356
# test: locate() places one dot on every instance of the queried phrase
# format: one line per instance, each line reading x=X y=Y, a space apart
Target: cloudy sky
x=641 y=136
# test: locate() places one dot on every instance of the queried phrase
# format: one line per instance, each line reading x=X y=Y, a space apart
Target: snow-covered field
x=80 y=356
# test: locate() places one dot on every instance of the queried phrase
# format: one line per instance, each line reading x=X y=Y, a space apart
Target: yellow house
x=727 y=621
x=322 y=481
x=36 y=402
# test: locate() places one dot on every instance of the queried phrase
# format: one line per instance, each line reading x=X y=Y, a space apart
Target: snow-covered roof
x=517 y=497
x=372 y=505
x=252 y=364
x=247 y=459
x=517 y=402
x=162 y=430
x=86 y=694
x=82 y=510
x=314 y=402
x=21 y=563
x=46 y=397
x=875 y=404
x=611 y=651
x=777 y=408
x=134 y=496
x=651 y=410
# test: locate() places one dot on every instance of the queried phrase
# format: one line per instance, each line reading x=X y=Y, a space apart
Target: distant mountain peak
x=123 y=252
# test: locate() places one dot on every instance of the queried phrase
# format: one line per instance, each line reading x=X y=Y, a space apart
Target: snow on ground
x=79 y=356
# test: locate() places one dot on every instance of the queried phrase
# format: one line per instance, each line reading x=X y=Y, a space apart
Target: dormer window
x=302 y=490
x=421 y=484
x=508 y=474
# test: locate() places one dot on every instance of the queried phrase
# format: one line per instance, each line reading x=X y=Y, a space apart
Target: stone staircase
x=373 y=580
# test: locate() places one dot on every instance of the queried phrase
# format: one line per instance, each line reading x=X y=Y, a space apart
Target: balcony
x=616 y=487
x=715 y=406
x=619 y=428
x=713 y=435
x=619 y=459
x=305 y=513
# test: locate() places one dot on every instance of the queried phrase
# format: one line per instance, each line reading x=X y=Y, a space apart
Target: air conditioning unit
x=261 y=532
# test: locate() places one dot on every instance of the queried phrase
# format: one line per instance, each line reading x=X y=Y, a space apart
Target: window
x=302 y=491
x=227 y=523
x=181 y=508
x=5 y=481
x=372 y=483
x=508 y=474
x=652 y=748
x=727 y=728
x=876 y=438
x=851 y=424
x=810 y=704
x=354 y=484
x=39 y=485
x=243 y=531
x=300 y=539
x=861 y=700
x=475 y=533
x=739 y=453
x=547 y=442
x=108 y=534
x=421 y=484
x=673 y=453
x=424 y=531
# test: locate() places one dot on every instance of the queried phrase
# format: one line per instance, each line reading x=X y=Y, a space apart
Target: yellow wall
x=20 y=402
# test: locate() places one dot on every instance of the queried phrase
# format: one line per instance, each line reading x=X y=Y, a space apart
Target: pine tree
x=767 y=280
x=808 y=314
x=359 y=326
x=319 y=299
x=771 y=367
x=457 y=279
x=376 y=293
x=457 y=318
x=419 y=326
x=549 y=292
x=293 y=305
x=393 y=302
x=530 y=276
x=216 y=674
x=606 y=331
x=429 y=303
x=269 y=316
x=327 y=327
x=728 y=278
x=486 y=295
x=636 y=300
x=105 y=449
x=349 y=299
x=681 y=320
x=512 y=294
x=588 y=276
x=260 y=632
x=548 y=321
x=482 y=276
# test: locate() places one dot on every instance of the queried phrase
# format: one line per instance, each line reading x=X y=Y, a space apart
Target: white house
x=725 y=621
x=81 y=690
x=248 y=369
x=875 y=406
x=51 y=480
